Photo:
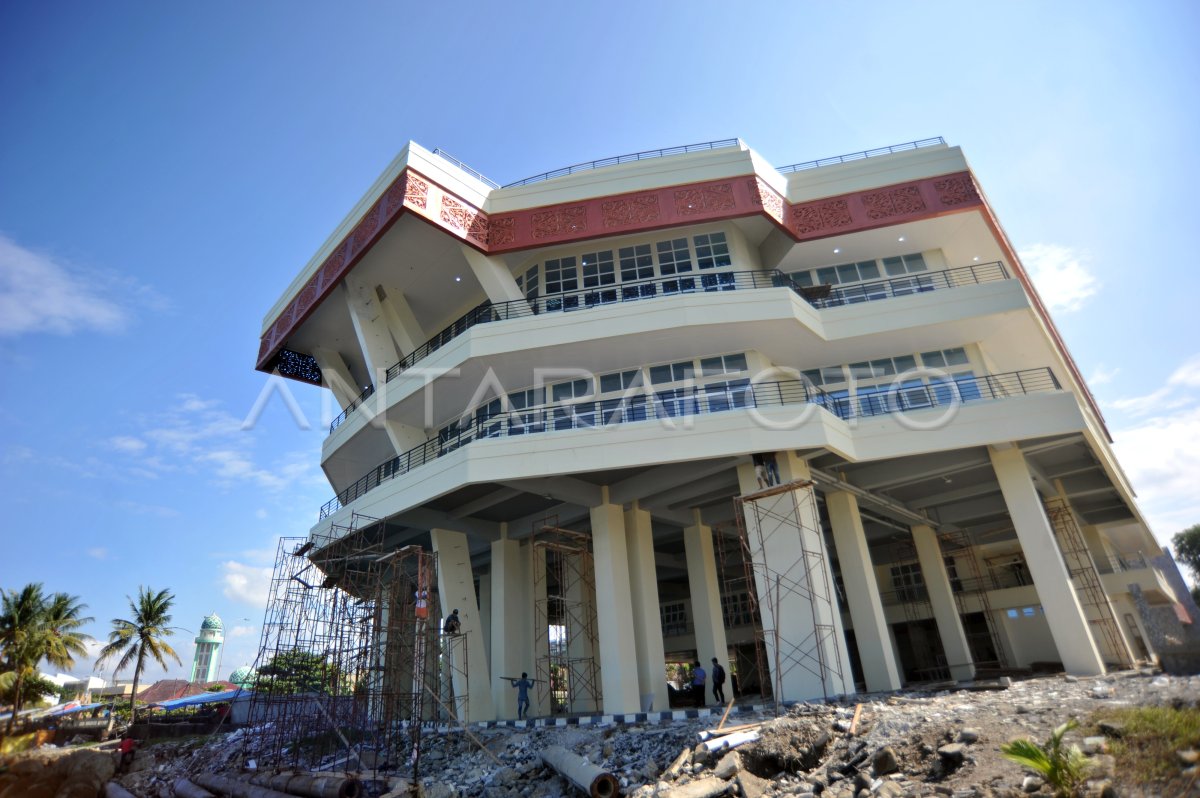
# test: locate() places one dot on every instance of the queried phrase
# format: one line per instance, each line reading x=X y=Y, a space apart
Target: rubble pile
x=943 y=744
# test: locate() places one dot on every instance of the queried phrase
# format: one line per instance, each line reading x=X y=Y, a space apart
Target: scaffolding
x=783 y=548
x=1092 y=598
x=737 y=579
x=565 y=625
x=352 y=665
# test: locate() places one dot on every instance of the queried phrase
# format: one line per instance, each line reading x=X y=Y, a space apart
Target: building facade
x=206 y=663
x=811 y=421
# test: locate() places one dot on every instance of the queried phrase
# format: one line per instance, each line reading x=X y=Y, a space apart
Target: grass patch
x=1146 y=750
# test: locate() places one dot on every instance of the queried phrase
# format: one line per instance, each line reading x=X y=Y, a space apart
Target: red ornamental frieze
x=765 y=196
x=394 y=197
x=708 y=199
x=464 y=218
x=824 y=215
x=630 y=211
x=502 y=230
x=416 y=191
x=366 y=228
x=559 y=222
x=957 y=190
x=893 y=202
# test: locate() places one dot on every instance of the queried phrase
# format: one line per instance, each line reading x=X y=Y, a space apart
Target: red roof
x=166 y=689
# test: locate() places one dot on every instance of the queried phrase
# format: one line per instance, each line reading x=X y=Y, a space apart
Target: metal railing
x=473 y=173
x=680 y=403
x=618 y=159
x=858 y=156
x=821 y=296
x=829 y=296
x=350 y=408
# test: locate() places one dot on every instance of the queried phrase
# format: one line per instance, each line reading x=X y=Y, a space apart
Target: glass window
x=894 y=266
x=868 y=270
x=803 y=279
x=933 y=359
x=955 y=357
x=827 y=276
x=682 y=285
x=575 y=389
x=712 y=251
x=636 y=263
x=727 y=364
x=561 y=275
x=528 y=282
x=673 y=256
x=672 y=372
x=598 y=269
x=847 y=273
x=620 y=381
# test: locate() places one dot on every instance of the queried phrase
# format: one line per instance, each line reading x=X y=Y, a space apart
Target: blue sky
x=166 y=169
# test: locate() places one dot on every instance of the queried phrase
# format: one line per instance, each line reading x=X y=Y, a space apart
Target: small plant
x=1062 y=767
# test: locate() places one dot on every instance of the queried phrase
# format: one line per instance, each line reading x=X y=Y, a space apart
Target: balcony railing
x=674 y=405
x=617 y=159
x=858 y=156
x=473 y=173
x=821 y=296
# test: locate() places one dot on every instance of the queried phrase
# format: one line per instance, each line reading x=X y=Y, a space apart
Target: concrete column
x=1068 y=625
x=1098 y=547
x=945 y=609
x=485 y=613
x=705 y=588
x=456 y=588
x=511 y=599
x=580 y=606
x=493 y=274
x=370 y=328
x=539 y=697
x=862 y=593
x=614 y=609
x=337 y=376
x=647 y=620
x=792 y=569
x=401 y=323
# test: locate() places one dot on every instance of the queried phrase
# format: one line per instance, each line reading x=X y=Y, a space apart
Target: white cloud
x=260 y=514
x=242 y=631
x=1170 y=396
x=127 y=443
x=246 y=583
x=42 y=294
x=1103 y=375
x=1060 y=275
x=99 y=553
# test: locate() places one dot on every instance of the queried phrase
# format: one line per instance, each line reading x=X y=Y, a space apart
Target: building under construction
x=812 y=421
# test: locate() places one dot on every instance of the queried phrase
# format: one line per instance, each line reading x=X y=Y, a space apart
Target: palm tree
x=144 y=635
x=33 y=627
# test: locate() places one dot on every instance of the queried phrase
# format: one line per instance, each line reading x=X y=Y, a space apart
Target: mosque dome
x=213 y=623
x=243 y=676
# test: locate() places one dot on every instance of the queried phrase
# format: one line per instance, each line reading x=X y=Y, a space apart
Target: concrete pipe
x=114 y=790
x=185 y=789
x=587 y=777
x=310 y=786
x=238 y=789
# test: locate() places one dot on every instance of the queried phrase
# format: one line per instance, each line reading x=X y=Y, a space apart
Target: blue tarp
x=202 y=698
x=84 y=708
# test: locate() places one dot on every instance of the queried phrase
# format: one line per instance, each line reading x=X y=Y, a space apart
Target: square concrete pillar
x=512 y=645
x=705 y=587
x=793 y=578
x=484 y=591
x=614 y=610
x=945 y=608
x=456 y=589
x=580 y=606
x=1068 y=624
x=539 y=697
x=1098 y=547
x=862 y=593
x=647 y=620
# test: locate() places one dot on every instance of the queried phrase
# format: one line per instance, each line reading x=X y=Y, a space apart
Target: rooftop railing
x=675 y=404
x=821 y=296
x=618 y=159
x=473 y=173
x=858 y=156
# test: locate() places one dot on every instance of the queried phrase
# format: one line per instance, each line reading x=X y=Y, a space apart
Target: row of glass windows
x=861 y=271
x=598 y=269
x=887 y=366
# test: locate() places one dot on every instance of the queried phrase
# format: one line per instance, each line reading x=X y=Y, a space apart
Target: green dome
x=212 y=622
x=242 y=676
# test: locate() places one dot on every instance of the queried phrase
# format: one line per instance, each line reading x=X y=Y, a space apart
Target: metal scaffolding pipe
x=592 y=780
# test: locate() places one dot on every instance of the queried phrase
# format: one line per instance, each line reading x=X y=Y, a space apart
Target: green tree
x=36 y=627
x=1187 y=548
x=299 y=671
x=144 y=635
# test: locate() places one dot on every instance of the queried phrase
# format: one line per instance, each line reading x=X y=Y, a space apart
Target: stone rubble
x=908 y=745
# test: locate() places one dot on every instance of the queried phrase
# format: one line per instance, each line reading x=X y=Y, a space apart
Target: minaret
x=207 y=663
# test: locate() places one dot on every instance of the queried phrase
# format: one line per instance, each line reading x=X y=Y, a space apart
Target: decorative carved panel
x=814 y=217
x=416 y=192
x=766 y=197
x=956 y=190
x=503 y=230
x=297 y=366
x=559 y=222
x=708 y=199
x=893 y=202
x=630 y=211
x=464 y=218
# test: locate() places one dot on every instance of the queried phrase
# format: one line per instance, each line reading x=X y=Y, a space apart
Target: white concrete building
x=611 y=345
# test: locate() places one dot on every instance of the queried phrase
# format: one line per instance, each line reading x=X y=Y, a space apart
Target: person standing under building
x=760 y=470
x=698 y=677
x=718 y=674
x=523 y=684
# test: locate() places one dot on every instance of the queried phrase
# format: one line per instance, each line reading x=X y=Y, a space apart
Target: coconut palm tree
x=142 y=636
x=33 y=627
